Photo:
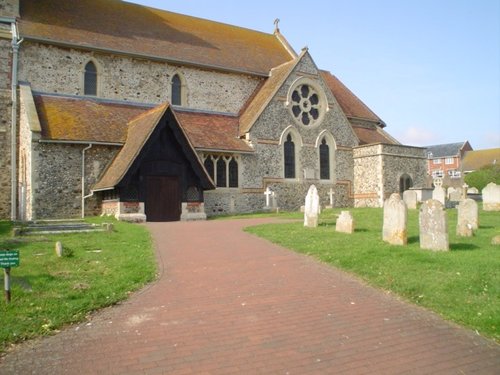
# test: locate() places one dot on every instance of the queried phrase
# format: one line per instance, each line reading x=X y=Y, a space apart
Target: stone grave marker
x=59 y=249
x=472 y=190
x=311 y=208
x=395 y=221
x=491 y=197
x=433 y=224
x=455 y=195
x=439 y=194
x=410 y=198
x=345 y=222
x=467 y=221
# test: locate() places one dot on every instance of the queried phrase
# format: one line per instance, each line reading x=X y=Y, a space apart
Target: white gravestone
x=439 y=194
x=395 y=221
x=433 y=226
x=467 y=221
x=410 y=198
x=491 y=197
x=268 y=194
x=345 y=223
x=311 y=209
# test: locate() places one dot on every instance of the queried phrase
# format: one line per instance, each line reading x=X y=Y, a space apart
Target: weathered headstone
x=345 y=222
x=331 y=195
x=467 y=221
x=439 y=194
x=455 y=195
x=410 y=198
x=491 y=197
x=465 y=189
x=395 y=221
x=433 y=226
x=311 y=209
x=59 y=249
x=472 y=190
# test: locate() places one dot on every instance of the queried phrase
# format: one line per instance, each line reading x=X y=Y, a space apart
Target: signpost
x=8 y=259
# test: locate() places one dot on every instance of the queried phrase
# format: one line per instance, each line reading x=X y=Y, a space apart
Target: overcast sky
x=429 y=68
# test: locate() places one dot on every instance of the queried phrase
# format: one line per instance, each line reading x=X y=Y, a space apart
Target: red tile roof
x=208 y=131
x=134 y=29
x=75 y=119
x=372 y=135
x=351 y=105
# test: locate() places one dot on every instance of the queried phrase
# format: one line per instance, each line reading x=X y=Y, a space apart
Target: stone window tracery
x=223 y=169
x=306 y=102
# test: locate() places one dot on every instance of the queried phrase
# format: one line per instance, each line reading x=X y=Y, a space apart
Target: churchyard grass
x=462 y=285
x=49 y=292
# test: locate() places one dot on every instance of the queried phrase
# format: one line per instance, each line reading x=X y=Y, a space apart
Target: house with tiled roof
x=445 y=159
x=110 y=107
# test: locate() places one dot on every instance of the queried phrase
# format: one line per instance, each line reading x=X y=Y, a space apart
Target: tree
x=483 y=176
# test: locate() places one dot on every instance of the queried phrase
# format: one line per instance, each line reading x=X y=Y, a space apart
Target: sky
x=429 y=68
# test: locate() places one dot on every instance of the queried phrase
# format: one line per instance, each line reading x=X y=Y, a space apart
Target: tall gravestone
x=345 y=222
x=433 y=224
x=311 y=208
x=439 y=194
x=395 y=221
x=491 y=197
x=467 y=221
x=410 y=198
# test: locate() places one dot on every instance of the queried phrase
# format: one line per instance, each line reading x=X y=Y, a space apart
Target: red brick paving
x=230 y=303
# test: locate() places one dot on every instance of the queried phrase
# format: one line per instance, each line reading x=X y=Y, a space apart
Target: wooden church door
x=163 y=198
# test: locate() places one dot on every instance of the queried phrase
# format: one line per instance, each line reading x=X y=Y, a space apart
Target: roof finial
x=276 y=25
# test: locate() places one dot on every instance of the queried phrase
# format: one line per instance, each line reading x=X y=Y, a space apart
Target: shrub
x=482 y=177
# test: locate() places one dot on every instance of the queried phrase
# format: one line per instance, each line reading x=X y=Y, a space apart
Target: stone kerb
x=491 y=197
x=395 y=221
x=345 y=222
x=410 y=199
x=467 y=221
x=433 y=224
x=311 y=208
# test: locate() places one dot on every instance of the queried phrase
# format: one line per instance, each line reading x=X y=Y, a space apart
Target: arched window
x=324 y=160
x=233 y=173
x=405 y=183
x=90 y=79
x=289 y=153
x=176 y=90
x=221 y=172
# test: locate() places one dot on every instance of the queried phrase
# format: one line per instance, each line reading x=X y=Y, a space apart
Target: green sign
x=9 y=258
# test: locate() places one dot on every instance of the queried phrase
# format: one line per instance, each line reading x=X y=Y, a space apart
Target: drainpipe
x=13 y=138
x=83 y=180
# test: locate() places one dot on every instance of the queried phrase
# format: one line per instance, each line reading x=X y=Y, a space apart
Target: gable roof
x=448 y=149
x=139 y=132
x=127 y=28
x=350 y=104
x=265 y=93
x=474 y=160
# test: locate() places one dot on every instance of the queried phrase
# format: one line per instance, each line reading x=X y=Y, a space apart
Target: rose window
x=305 y=104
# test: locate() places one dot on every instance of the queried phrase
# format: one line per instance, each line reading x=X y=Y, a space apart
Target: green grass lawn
x=462 y=285
x=48 y=292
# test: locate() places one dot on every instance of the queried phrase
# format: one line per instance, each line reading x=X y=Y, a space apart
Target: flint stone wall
x=5 y=123
x=379 y=167
x=58 y=192
x=60 y=70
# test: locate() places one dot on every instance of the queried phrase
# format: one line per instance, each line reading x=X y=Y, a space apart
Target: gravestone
x=491 y=197
x=439 y=194
x=465 y=188
x=455 y=195
x=268 y=194
x=345 y=222
x=311 y=208
x=59 y=249
x=472 y=190
x=433 y=224
x=331 y=195
x=410 y=199
x=467 y=221
x=395 y=221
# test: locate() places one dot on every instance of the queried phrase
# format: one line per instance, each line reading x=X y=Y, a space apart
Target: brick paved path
x=230 y=303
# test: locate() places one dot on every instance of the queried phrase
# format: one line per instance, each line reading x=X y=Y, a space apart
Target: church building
x=109 y=107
